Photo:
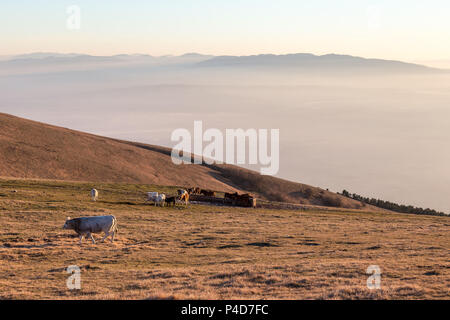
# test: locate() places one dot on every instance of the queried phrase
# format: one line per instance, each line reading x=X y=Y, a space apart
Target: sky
x=413 y=30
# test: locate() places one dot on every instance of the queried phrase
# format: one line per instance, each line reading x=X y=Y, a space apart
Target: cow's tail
x=114 y=225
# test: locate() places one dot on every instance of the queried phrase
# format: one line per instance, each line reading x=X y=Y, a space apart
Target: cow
x=157 y=198
x=94 y=194
x=160 y=199
x=151 y=196
x=86 y=226
x=245 y=200
x=232 y=196
x=208 y=193
x=171 y=201
x=184 y=197
x=181 y=192
x=194 y=190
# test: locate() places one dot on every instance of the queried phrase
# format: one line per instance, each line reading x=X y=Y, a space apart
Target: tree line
x=391 y=205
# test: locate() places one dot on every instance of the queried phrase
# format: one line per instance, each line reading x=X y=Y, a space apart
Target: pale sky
x=412 y=30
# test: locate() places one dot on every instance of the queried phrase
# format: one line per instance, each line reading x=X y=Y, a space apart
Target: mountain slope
x=30 y=149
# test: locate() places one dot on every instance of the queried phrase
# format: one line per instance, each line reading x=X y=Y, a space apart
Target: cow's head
x=68 y=224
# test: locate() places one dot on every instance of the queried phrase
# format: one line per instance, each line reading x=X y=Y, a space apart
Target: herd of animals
x=161 y=199
x=86 y=226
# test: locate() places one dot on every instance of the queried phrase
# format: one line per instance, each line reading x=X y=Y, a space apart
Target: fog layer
x=378 y=134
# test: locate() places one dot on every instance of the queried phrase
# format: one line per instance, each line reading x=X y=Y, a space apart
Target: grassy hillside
x=211 y=252
x=30 y=149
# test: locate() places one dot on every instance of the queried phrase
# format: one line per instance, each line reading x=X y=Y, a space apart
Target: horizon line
x=418 y=62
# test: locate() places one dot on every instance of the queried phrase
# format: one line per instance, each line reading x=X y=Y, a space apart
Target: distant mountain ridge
x=305 y=61
x=311 y=61
x=49 y=56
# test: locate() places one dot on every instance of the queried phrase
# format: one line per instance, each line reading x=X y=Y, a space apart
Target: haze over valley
x=375 y=127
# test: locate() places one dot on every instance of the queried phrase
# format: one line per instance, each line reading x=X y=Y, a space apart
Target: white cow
x=157 y=198
x=151 y=196
x=160 y=199
x=86 y=226
x=94 y=194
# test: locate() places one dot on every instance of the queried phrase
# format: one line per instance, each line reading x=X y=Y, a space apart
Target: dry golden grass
x=212 y=252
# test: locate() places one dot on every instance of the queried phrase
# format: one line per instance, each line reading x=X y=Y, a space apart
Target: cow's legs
x=106 y=236
x=92 y=238
x=81 y=238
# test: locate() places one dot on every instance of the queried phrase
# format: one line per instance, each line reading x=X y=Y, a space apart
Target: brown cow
x=208 y=193
x=231 y=195
x=171 y=201
x=246 y=200
x=194 y=190
x=184 y=197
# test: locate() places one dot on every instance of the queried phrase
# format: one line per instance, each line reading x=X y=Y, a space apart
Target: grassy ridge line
x=137 y=192
x=62 y=154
